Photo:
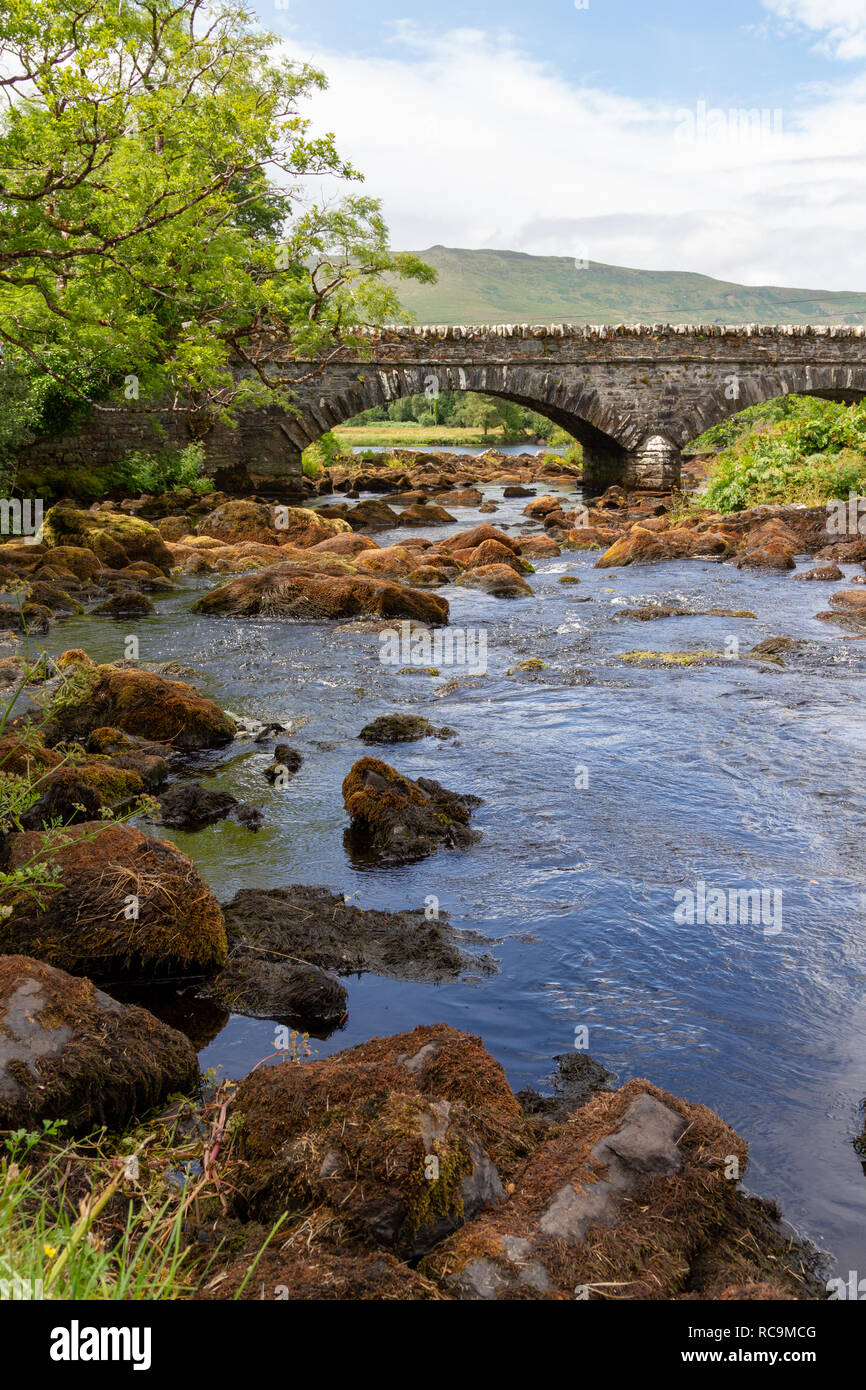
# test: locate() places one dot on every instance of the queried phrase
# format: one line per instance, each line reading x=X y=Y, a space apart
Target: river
x=734 y=774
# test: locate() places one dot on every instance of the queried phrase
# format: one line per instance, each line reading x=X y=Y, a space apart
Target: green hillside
x=510 y=287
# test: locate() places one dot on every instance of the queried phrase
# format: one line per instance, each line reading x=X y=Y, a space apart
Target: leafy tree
x=155 y=212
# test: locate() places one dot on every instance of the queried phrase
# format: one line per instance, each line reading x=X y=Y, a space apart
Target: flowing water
x=735 y=774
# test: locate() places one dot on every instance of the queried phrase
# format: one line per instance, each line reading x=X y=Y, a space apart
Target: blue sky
x=614 y=131
x=733 y=53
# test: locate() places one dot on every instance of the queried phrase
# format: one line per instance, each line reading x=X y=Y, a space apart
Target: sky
x=725 y=137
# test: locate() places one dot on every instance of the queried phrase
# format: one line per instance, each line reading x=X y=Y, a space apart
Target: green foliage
x=564 y=448
x=169 y=471
x=154 y=216
x=462 y=409
x=727 y=432
x=815 y=451
x=319 y=455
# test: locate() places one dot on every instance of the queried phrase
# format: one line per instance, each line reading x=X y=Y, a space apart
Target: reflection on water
x=736 y=775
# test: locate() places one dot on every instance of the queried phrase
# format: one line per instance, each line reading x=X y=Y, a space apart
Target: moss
x=672 y=658
x=176 y=924
x=143 y=703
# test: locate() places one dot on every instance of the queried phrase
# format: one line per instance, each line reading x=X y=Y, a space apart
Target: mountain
x=478 y=287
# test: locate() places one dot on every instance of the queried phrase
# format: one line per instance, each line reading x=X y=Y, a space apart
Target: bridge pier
x=656 y=464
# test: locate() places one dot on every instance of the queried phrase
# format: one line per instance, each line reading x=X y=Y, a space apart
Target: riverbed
x=606 y=788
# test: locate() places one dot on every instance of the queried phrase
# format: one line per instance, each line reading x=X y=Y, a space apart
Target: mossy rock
x=141 y=703
x=126 y=904
x=70 y=1052
x=115 y=538
x=695 y=658
x=406 y=1136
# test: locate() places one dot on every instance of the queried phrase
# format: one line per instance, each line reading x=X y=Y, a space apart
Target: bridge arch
x=736 y=391
x=580 y=410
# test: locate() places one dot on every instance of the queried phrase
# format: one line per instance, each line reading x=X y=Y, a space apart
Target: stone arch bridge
x=633 y=395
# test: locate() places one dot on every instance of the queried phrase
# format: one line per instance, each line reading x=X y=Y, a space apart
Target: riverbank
x=571 y=662
x=389 y=435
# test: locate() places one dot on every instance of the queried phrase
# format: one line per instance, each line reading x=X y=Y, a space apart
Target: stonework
x=634 y=395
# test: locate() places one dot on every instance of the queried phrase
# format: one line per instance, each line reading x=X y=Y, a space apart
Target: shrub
x=816 y=451
x=168 y=471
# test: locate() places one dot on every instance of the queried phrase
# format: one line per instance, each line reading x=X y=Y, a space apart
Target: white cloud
x=471 y=143
x=841 y=22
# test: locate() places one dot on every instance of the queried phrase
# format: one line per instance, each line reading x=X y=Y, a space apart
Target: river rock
x=538 y=547
x=401 y=728
x=190 y=806
x=105 y=871
x=317 y=927
x=406 y=1137
x=821 y=573
x=81 y=790
x=403 y=820
x=307 y=1263
x=498 y=580
x=70 y=1052
x=114 y=538
x=141 y=703
x=632 y=1199
x=127 y=604
x=291 y=592
x=287 y=991
x=146 y=757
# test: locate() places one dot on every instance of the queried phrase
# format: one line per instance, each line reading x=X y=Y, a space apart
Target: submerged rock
x=190 y=806
x=125 y=904
x=401 y=819
x=70 y=1052
x=290 y=991
x=317 y=927
x=401 y=728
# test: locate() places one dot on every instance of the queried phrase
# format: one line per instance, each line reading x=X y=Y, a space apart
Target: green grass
x=509 y=287
x=395 y=435
x=107 y=1217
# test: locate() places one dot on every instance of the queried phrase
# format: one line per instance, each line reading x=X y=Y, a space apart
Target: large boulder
x=635 y=1197
x=403 y=820
x=141 y=703
x=499 y=580
x=70 y=1052
x=292 y=591
x=124 y=904
x=116 y=539
x=406 y=1137
x=239 y=521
